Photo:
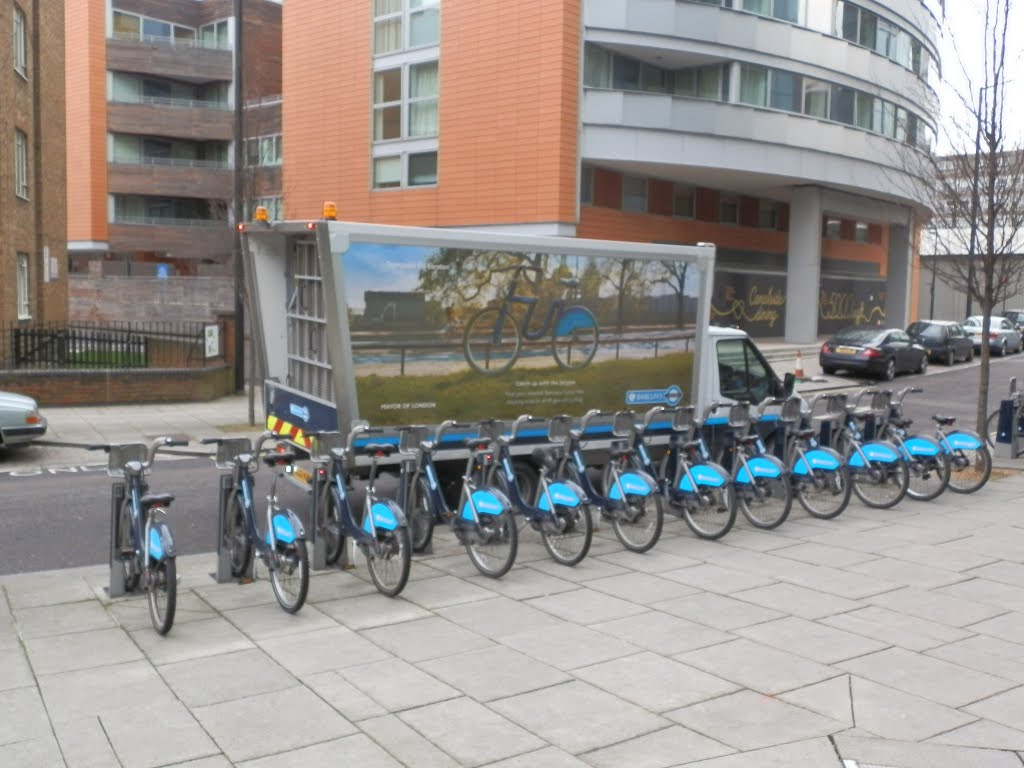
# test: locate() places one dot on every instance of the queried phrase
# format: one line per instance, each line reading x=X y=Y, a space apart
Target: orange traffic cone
x=799 y=370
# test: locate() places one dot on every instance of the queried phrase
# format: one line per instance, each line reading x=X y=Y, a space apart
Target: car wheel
x=828 y=370
x=923 y=367
x=890 y=370
x=951 y=356
x=970 y=355
x=1003 y=349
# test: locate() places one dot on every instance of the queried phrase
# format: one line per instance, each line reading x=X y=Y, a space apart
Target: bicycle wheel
x=765 y=501
x=330 y=528
x=389 y=563
x=992 y=429
x=713 y=514
x=290 y=579
x=126 y=548
x=493 y=545
x=567 y=533
x=574 y=341
x=491 y=349
x=970 y=469
x=638 y=525
x=929 y=476
x=163 y=594
x=418 y=513
x=236 y=539
x=825 y=494
x=881 y=484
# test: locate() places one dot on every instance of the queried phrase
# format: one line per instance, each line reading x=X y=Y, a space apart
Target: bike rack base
x=116 y=586
x=318 y=562
x=223 y=573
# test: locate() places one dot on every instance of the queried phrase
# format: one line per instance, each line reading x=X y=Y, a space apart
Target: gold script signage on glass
x=755 y=303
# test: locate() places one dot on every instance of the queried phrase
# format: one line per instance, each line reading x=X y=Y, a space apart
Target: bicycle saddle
x=805 y=433
x=619 y=452
x=478 y=444
x=901 y=423
x=378 y=449
x=544 y=457
x=938 y=418
x=275 y=459
x=156 y=499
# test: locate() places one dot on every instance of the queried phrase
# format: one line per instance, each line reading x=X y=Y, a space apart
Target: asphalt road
x=59 y=516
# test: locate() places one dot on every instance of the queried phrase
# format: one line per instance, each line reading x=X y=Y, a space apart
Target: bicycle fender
x=633 y=483
x=920 y=445
x=703 y=474
x=161 y=543
x=818 y=458
x=759 y=466
x=874 y=451
x=573 y=319
x=287 y=527
x=563 y=493
x=386 y=514
x=488 y=501
x=963 y=440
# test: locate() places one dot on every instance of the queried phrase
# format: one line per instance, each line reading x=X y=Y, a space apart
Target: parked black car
x=944 y=340
x=882 y=352
x=1015 y=316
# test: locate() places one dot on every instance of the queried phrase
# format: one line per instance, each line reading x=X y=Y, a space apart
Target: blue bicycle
x=383 y=536
x=493 y=338
x=561 y=513
x=878 y=471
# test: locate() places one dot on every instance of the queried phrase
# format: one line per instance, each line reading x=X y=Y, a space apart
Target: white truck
x=399 y=325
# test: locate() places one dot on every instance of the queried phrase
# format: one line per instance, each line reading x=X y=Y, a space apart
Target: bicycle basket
x=229 y=450
x=880 y=403
x=322 y=445
x=623 y=424
x=791 y=410
x=739 y=415
x=559 y=428
x=491 y=429
x=682 y=420
x=409 y=438
x=122 y=454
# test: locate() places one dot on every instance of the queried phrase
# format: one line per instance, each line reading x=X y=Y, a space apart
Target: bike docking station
x=116 y=587
x=319 y=478
x=1010 y=431
x=227 y=450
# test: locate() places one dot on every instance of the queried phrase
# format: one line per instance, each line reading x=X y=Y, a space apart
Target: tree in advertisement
x=975 y=239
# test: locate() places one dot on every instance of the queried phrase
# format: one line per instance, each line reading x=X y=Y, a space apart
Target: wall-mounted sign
x=754 y=302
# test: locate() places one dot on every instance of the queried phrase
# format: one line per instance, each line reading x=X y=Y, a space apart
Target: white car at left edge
x=20 y=420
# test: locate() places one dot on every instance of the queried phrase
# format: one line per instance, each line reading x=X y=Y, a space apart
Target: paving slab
x=586 y=606
x=652 y=561
x=31 y=590
x=493 y=673
x=929 y=678
x=193 y=640
x=322 y=650
x=15 y=671
x=549 y=757
x=893 y=627
x=663 y=633
x=1008 y=573
x=590 y=568
x=569 y=646
x=407 y=745
x=66 y=618
x=984 y=734
x=954 y=555
x=353 y=704
x=83 y=742
x=905 y=573
x=225 y=677
x=1009 y=626
x=811 y=753
x=37 y=753
x=500 y=616
x=829 y=698
x=80 y=650
x=357 y=750
x=444 y=591
x=470 y=732
x=994 y=593
x=1006 y=708
x=718 y=611
x=100 y=690
x=660 y=749
x=578 y=717
x=823 y=554
x=424 y=639
x=715 y=578
x=904 y=754
x=748 y=720
x=797 y=601
x=653 y=682
x=811 y=639
x=22 y=716
x=758 y=667
x=524 y=583
x=893 y=714
x=257 y=623
x=985 y=654
x=271 y=723
x=835 y=581
x=640 y=588
x=397 y=685
x=368 y=611
x=138 y=744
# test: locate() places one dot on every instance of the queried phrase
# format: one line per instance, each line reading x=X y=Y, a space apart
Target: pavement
x=884 y=638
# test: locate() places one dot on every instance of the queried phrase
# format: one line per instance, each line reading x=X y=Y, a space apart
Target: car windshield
x=862 y=336
x=995 y=323
x=926 y=330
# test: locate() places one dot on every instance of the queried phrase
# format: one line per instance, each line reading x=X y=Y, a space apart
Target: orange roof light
x=261 y=214
x=330 y=210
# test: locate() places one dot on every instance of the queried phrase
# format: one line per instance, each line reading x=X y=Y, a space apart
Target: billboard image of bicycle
x=455 y=332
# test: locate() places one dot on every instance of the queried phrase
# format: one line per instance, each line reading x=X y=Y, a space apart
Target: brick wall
x=52 y=388
x=107 y=299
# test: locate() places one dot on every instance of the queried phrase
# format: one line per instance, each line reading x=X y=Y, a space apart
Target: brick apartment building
x=772 y=128
x=33 y=268
x=151 y=102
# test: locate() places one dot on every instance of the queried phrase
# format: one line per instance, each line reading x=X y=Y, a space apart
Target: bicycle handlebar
x=164 y=441
x=768 y=402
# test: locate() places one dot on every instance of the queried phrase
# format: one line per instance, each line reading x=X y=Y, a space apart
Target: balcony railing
x=196 y=42
x=167 y=221
x=163 y=101
x=175 y=162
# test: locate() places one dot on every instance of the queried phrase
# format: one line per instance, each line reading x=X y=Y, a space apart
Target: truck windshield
x=743 y=373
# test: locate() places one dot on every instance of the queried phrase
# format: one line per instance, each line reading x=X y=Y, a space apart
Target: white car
x=20 y=420
x=1003 y=336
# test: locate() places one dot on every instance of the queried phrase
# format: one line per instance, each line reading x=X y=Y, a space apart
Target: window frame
x=404 y=175
x=19 y=41
x=24 y=297
x=405 y=16
x=21 y=164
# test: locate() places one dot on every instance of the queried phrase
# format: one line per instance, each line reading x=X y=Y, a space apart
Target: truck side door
x=743 y=373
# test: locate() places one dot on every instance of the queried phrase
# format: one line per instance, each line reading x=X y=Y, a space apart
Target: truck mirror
x=788 y=384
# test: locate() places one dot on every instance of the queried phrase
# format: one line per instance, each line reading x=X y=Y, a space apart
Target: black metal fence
x=110 y=346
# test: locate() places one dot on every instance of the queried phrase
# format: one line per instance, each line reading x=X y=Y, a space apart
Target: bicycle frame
x=753 y=456
x=555 y=309
x=283 y=525
x=630 y=482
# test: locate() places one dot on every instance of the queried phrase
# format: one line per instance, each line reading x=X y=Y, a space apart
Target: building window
x=274 y=206
x=20 y=164
x=415 y=169
x=767 y=215
x=18 y=42
x=861 y=232
x=863 y=27
x=263 y=150
x=754 y=85
x=419 y=84
x=423 y=91
x=402 y=24
x=634 y=194
x=586 y=185
x=215 y=35
x=832 y=229
x=816 y=95
x=787 y=10
x=728 y=209
x=22 y=279
x=683 y=201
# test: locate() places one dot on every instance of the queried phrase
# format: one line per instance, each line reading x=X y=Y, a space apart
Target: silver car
x=20 y=420
x=1003 y=336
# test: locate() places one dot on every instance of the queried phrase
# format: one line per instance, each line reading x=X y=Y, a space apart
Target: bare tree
x=977 y=190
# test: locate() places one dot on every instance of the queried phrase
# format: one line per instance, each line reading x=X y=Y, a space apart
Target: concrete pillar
x=897 y=288
x=803 y=268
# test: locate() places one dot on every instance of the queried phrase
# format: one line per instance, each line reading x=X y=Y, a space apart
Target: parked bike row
x=619 y=468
